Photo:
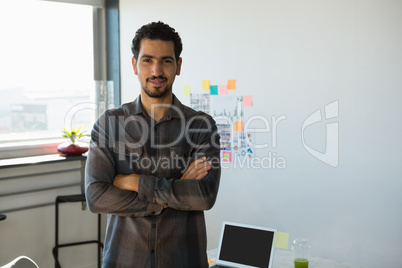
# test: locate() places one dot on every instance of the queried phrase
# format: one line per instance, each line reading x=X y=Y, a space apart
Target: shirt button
x=154 y=225
x=145 y=197
x=152 y=251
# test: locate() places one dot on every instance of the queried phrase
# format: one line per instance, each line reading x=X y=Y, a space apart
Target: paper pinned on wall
x=281 y=240
x=214 y=90
x=200 y=102
x=226 y=106
x=226 y=156
x=186 y=90
x=205 y=85
x=238 y=126
x=223 y=90
x=248 y=100
x=231 y=84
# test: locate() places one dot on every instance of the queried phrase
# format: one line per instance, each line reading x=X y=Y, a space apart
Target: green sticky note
x=214 y=90
x=186 y=90
x=281 y=240
x=227 y=156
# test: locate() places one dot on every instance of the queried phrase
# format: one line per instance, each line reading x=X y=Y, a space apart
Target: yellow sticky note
x=238 y=126
x=232 y=84
x=186 y=90
x=205 y=85
x=281 y=240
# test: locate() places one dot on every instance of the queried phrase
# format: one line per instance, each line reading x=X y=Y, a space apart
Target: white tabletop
x=283 y=259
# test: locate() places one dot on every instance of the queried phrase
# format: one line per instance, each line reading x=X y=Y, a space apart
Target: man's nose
x=157 y=69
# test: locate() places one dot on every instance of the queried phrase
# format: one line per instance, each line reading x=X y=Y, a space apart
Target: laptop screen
x=246 y=245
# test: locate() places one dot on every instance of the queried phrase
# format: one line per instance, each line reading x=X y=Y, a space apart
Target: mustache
x=157 y=77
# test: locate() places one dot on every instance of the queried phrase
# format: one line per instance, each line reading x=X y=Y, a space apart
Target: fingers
x=201 y=164
x=198 y=169
x=201 y=175
x=201 y=170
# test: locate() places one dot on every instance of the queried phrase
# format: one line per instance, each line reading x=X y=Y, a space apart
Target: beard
x=159 y=92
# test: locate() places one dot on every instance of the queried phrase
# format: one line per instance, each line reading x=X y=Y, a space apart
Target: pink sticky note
x=223 y=90
x=248 y=100
x=226 y=156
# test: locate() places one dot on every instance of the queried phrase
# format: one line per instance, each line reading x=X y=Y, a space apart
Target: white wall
x=295 y=57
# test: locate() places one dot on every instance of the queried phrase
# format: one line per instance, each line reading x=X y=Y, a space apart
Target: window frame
x=106 y=69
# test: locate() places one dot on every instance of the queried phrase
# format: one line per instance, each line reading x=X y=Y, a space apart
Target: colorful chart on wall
x=227 y=111
x=200 y=102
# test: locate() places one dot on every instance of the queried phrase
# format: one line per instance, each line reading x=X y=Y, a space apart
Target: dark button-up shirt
x=163 y=224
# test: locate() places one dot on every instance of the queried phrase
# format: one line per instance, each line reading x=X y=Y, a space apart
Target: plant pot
x=69 y=149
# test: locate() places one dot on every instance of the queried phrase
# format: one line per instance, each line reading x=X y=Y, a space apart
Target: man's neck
x=156 y=108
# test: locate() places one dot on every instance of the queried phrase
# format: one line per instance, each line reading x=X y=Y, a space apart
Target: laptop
x=245 y=246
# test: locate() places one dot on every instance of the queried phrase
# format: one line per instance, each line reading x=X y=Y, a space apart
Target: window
x=47 y=70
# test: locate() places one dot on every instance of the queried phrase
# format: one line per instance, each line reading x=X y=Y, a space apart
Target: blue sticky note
x=214 y=90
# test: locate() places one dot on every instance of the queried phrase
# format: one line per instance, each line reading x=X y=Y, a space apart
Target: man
x=153 y=165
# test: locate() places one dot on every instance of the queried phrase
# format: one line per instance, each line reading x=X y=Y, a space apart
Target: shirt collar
x=174 y=112
x=137 y=106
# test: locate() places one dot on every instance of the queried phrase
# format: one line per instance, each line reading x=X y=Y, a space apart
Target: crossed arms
x=109 y=190
x=196 y=171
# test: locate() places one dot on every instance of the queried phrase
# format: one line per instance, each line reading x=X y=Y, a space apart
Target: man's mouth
x=157 y=82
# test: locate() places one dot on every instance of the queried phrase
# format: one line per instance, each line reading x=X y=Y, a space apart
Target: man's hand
x=127 y=182
x=198 y=169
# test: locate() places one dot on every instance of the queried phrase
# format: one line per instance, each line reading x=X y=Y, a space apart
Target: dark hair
x=154 y=31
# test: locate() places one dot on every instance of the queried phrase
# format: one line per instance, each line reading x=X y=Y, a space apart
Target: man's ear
x=134 y=63
x=179 y=62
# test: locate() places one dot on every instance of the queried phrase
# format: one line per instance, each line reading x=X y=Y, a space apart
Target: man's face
x=156 y=67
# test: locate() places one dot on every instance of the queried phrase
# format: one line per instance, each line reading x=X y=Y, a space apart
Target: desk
x=283 y=259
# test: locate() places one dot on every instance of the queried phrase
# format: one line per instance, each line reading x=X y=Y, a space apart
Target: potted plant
x=73 y=146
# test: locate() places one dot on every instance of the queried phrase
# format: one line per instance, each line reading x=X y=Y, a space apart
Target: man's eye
x=146 y=60
x=167 y=61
